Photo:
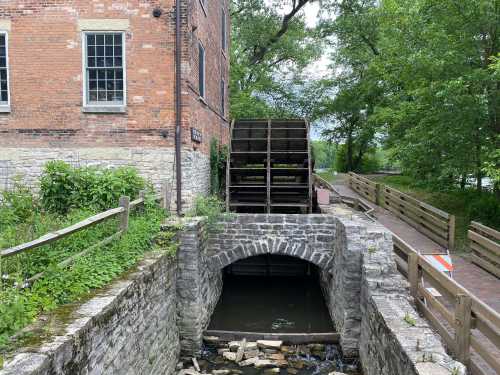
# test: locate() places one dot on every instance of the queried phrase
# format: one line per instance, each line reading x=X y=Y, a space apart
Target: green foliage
x=211 y=207
x=63 y=187
x=269 y=85
x=16 y=205
x=19 y=307
x=369 y=163
x=410 y=320
x=218 y=159
x=323 y=154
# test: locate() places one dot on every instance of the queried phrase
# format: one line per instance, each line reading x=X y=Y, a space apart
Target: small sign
x=196 y=135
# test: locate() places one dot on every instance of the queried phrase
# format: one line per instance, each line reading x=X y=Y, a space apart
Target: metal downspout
x=178 y=104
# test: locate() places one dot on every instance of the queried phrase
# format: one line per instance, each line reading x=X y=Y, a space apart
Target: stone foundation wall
x=155 y=164
x=199 y=288
x=129 y=328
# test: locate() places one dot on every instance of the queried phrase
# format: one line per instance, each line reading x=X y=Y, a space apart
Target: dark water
x=271 y=304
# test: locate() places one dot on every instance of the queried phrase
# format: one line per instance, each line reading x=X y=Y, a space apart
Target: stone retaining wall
x=155 y=164
x=128 y=328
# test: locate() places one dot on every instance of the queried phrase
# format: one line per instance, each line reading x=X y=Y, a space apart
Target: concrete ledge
x=287 y=338
x=103 y=24
x=5 y=25
x=4 y=108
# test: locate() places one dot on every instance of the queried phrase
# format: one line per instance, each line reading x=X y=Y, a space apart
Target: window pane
x=4 y=89
x=109 y=39
x=3 y=62
x=4 y=96
x=105 y=84
x=99 y=39
x=201 y=71
x=90 y=39
x=3 y=74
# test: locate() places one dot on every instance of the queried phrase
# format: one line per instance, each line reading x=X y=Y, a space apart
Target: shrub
x=210 y=207
x=218 y=158
x=369 y=163
x=16 y=205
x=64 y=187
x=485 y=208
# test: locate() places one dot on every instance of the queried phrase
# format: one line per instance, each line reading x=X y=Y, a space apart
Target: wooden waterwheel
x=269 y=167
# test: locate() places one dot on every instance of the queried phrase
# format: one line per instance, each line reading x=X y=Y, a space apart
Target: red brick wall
x=46 y=86
x=205 y=26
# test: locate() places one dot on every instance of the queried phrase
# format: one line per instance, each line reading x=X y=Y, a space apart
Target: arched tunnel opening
x=273 y=294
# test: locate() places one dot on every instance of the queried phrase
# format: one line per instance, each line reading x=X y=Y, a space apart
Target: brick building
x=94 y=82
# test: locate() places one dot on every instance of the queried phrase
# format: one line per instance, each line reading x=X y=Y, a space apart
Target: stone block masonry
x=155 y=164
x=128 y=328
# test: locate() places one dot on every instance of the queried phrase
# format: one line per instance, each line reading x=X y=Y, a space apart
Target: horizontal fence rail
x=430 y=221
x=365 y=187
x=485 y=246
x=470 y=328
x=121 y=212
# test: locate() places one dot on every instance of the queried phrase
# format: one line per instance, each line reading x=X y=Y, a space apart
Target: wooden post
x=378 y=190
x=463 y=328
x=413 y=274
x=125 y=203
x=451 y=232
x=356 y=204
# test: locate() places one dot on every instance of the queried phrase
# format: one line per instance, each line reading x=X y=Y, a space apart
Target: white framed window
x=201 y=70
x=4 y=70
x=104 y=71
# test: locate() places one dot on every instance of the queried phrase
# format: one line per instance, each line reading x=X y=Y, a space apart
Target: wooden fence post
x=378 y=192
x=463 y=328
x=125 y=203
x=413 y=274
x=451 y=232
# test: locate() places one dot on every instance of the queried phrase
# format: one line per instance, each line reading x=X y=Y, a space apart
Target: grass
x=20 y=307
x=461 y=203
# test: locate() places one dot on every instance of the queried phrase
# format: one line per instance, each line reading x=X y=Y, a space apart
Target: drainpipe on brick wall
x=178 y=97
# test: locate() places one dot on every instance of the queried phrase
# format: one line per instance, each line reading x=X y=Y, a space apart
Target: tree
x=269 y=51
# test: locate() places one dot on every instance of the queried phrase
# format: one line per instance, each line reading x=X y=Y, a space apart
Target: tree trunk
x=463 y=181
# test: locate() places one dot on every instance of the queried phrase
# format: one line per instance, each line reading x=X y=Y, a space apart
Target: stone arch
x=247 y=249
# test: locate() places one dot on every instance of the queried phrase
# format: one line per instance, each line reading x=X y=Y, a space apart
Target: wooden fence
x=122 y=212
x=365 y=187
x=485 y=246
x=470 y=328
x=434 y=223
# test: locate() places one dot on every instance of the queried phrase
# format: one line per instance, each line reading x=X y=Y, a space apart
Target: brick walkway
x=478 y=281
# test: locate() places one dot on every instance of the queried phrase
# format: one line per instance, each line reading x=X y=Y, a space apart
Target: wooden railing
x=122 y=212
x=470 y=328
x=431 y=221
x=368 y=189
x=485 y=246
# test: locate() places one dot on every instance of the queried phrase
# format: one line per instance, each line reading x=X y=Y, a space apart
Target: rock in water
x=188 y=371
x=269 y=344
x=251 y=345
x=221 y=372
x=293 y=371
x=230 y=356
x=249 y=361
x=241 y=350
x=272 y=371
x=234 y=345
x=264 y=363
